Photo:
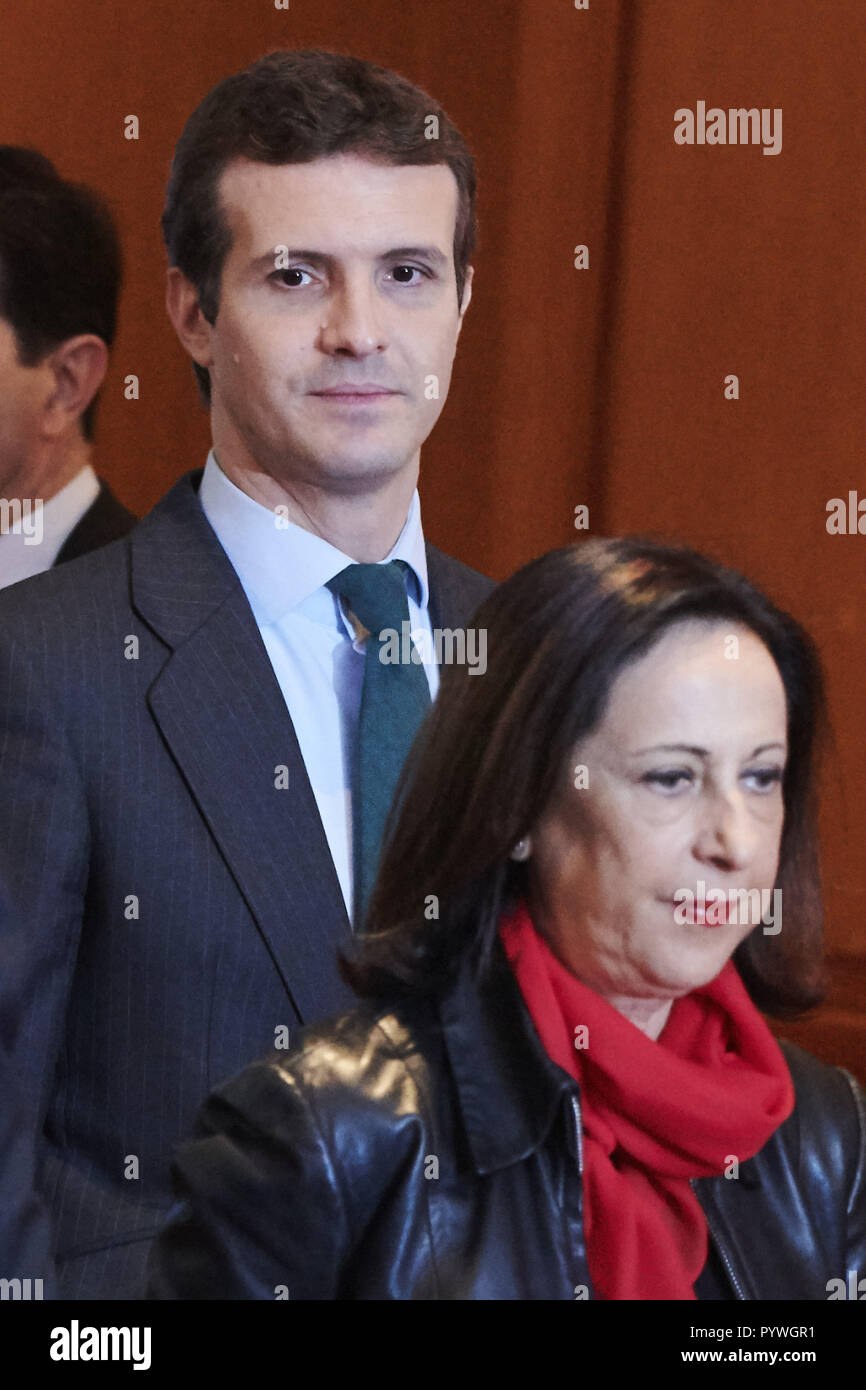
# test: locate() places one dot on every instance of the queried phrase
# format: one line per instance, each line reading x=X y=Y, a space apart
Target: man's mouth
x=368 y=392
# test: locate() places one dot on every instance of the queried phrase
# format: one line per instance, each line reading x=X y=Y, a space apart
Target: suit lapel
x=221 y=711
x=455 y=591
x=439 y=600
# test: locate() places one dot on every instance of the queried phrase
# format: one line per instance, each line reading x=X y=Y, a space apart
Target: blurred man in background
x=60 y=269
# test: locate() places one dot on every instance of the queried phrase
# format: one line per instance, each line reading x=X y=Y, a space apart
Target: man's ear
x=184 y=310
x=77 y=368
x=467 y=295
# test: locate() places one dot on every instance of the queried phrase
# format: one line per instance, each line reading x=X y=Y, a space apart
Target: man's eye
x=293 y=270
x=412 y=270
x=668 y=781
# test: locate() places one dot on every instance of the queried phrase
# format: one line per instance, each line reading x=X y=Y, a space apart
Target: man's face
x=362 y=296
x=22 y=397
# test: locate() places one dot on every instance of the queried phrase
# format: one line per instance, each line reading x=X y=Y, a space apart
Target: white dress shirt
x=22 y=552
x=318 y=663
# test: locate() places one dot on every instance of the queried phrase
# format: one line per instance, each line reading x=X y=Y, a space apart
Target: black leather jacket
x=434 y=1151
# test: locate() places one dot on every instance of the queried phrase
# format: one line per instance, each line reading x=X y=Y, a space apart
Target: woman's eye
x=668 y=781
x=765 y=778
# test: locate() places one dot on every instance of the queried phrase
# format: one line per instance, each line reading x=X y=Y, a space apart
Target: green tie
x=394 y=699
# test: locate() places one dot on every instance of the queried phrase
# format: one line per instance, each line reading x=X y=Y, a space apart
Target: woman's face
x=684 y=786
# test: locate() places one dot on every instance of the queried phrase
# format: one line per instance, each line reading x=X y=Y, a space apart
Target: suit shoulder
x=113 y=508
x=456 y=569
x=55 y=592
x=467 y=585
x=105 y=520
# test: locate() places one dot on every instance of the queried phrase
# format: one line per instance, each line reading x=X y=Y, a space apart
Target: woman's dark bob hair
x=491 y=752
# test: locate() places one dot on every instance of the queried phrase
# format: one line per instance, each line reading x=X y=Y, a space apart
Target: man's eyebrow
x=424 y=253
x=421 y=253
x=698 y=752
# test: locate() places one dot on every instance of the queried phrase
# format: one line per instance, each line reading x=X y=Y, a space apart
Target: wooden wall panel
x=604 y=385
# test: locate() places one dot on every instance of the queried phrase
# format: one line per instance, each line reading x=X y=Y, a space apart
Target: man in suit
x=197 y=731
x=59 y=282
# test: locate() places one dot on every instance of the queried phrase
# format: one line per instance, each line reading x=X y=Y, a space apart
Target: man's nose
x=353 y=322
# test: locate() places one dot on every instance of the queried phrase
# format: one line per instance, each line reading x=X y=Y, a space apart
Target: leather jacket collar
x=510 y=1091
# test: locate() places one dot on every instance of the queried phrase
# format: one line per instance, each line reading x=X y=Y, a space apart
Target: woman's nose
x=725 y=836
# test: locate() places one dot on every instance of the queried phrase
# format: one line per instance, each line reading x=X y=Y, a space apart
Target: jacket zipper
x=578 y=1141
x=738 y=1289
x=578 y=1134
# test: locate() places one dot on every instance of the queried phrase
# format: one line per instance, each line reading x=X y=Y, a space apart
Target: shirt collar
x=53 y=521
x=279 y=564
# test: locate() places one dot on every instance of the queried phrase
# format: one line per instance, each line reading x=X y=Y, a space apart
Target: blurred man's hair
x=60 y=260
x=293 y=108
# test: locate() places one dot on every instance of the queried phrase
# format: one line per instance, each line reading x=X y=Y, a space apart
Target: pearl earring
x=521 y=849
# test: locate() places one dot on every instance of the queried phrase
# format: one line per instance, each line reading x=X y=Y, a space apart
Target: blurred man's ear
x=78 y=368
x=467 y=295
x=184 y=310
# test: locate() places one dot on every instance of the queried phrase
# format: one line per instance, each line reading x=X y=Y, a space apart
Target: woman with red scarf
x=559 y=1082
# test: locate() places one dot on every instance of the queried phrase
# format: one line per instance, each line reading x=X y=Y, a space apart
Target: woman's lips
x=695 y=913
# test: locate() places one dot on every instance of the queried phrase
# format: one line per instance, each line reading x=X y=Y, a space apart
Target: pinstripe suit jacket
x=176 y=907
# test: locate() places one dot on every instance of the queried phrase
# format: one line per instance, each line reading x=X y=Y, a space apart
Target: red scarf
x=655 y=1113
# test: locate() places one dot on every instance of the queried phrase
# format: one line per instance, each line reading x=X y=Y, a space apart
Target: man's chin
x=357 y=472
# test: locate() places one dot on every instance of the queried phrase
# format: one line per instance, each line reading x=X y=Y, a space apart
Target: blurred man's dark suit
x=25 y=1232
x=104 y=521
x=180 y=903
